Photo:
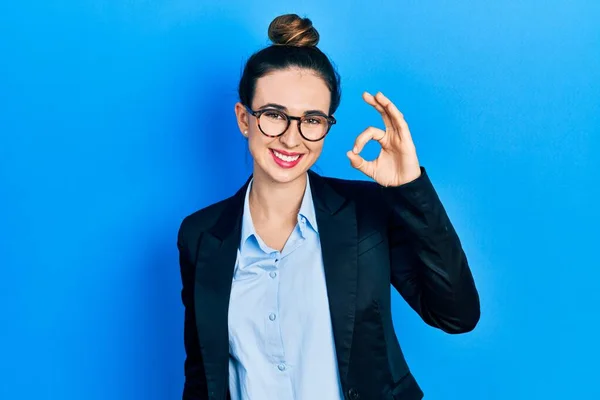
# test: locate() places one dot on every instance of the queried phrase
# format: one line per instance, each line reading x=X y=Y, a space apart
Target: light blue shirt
x=281 y=342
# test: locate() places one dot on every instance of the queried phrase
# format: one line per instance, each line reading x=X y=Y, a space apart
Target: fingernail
x=355 y=150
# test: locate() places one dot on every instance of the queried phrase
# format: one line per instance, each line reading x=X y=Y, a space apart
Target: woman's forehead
x=297 y=90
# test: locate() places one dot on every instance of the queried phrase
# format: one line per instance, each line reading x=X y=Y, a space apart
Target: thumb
x=357 y=161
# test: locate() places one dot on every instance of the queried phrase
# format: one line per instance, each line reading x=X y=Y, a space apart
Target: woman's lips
x=286 y=159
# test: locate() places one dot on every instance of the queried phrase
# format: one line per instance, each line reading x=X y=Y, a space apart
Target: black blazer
x=371 y=236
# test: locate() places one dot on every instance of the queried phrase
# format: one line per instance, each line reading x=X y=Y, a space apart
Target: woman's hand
x=397 y=162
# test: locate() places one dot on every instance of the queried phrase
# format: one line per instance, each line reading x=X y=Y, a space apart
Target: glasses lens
x=314 y=127
x=273 y=122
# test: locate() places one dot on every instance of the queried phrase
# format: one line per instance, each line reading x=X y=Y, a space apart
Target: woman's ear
x=242 y=117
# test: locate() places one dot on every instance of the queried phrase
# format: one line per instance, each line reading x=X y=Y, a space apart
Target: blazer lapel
x=336 y=218
x=214 y=272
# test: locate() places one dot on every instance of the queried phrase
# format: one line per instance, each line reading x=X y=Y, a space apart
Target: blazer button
x=353 y=394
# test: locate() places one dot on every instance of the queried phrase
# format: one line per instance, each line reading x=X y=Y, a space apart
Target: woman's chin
x=285 y=176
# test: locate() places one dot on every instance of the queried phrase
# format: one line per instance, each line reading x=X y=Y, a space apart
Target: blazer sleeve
x=195 y=378
x=428 y=265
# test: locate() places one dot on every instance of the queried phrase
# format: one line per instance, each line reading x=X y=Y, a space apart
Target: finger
x=370 y=99
x=368 y=134
x=395 y=114
x=360 y=163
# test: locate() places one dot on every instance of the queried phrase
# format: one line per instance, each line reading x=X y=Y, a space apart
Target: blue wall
x=116 y=121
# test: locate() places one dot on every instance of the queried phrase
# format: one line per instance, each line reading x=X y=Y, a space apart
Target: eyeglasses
x=274 y=123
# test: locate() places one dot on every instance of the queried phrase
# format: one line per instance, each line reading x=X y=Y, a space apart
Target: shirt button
x=281 y=367
x=272 y=317
x=273 y=274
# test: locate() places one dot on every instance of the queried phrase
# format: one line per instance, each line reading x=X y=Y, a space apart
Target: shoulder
x=192 y=226
x=365 y=198
x=356 y=190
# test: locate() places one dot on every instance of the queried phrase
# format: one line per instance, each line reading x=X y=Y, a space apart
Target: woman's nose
x=291 y=137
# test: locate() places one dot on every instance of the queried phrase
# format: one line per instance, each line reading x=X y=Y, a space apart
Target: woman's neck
x=274 y=200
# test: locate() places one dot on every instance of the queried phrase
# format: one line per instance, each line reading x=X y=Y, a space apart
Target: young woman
x=286 y=284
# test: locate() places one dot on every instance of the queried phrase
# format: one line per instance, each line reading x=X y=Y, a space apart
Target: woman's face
x=295 y=92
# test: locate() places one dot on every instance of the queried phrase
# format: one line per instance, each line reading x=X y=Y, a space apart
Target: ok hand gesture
x=397 y=162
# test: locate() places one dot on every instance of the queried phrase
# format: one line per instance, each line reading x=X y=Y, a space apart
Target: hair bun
x=291 y=30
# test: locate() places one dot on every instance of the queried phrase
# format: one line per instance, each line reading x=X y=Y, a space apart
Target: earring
x=245 y=133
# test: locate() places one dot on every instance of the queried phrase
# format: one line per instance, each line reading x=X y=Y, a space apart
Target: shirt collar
x=307 y=210
x=247 y=225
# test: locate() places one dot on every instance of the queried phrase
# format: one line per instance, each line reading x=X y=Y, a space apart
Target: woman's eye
x=273 y=115
x=313 y=121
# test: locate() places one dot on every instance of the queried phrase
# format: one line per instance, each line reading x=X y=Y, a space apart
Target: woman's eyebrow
x=315 y=112
x=273 y=105
x=283 y=108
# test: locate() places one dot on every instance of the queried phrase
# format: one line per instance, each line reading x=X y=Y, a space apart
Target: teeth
x=286 y=158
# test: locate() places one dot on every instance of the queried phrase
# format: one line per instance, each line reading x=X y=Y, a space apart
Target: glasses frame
x=256 y=114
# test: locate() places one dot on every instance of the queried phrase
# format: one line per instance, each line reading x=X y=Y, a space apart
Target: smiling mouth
x=286 y=157
x=283 y=160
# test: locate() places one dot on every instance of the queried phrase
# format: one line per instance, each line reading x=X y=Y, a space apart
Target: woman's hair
x=294 y=45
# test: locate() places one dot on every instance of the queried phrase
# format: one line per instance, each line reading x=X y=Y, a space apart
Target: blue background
x=116 y=121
